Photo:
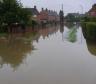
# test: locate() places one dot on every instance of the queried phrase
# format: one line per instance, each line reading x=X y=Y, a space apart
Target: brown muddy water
x=52 y=55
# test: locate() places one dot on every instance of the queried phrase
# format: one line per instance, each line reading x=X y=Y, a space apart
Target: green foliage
x=72 y=35
x=72 y=17
x=70 y=24
x=89 y=30
x=11 y=11
x=91 y=47
x=89 y=19
x=89 y=27
x=34 y=23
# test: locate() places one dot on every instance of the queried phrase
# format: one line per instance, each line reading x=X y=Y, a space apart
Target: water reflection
x=14 y=49
x=48 y=30
x=61 y=27
x=91 y=44
x=70 y=31
x=72 y=37
x=70 y=24
x=91 y=47
x=62 y=30
x=49 y=59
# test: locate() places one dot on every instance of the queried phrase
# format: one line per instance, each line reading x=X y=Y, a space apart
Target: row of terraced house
x=44 y=16
x=92 y=11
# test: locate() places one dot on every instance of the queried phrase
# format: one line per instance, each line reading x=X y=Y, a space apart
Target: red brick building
x=44 y=15
x=92 y=11
x=48 y=16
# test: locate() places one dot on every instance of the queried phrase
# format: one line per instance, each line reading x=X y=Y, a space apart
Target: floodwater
x=51 y=55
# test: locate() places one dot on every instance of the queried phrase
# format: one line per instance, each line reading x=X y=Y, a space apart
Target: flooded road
x=52 y=55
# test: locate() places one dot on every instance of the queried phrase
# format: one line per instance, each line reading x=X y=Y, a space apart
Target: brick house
x=43 y=16
x=48 y=16
x=92 y=11
x=53 y=16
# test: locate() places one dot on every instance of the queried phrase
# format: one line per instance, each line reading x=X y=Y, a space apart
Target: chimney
x=94 y=6
x=42 y=9
x=46 y=9
x=35 y=7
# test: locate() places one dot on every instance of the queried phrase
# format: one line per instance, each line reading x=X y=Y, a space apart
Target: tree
x=73 y=17
x=11 y=11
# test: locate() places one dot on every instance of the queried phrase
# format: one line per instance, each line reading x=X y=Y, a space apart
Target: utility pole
x=61 y=14
x=62 y=7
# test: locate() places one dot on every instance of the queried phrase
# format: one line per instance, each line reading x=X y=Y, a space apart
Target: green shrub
x=89 y=30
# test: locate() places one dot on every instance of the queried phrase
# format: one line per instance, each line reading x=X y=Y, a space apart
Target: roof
x=93 y=8
x=49 y=12
x=53 y=13
x=33 y=11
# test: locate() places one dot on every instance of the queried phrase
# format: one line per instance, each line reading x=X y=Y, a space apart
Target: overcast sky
x=68 y=5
